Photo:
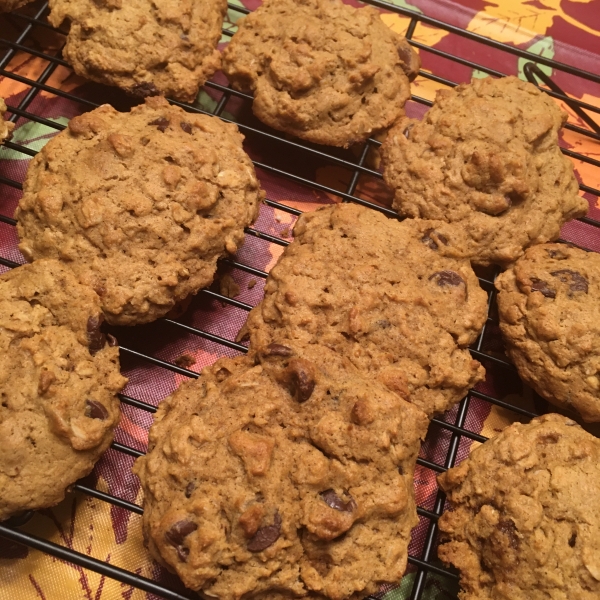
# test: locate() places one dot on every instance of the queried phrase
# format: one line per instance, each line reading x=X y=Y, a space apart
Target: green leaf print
x=542 y=47
x=32 y=135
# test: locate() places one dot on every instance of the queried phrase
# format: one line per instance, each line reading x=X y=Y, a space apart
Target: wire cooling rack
x=455 y=427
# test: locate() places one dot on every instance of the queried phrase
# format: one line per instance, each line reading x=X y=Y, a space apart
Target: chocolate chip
x=277 y=350
x=112 y=340
x=144 y=89
x=95 y=410
x=176 y=535
x=557 y=254
x=429 y=240
x=301 y=378
x=265 y=536
x=573 y=540
x=537 y=285
x=577 y=282
x=161 y=123
x=334 y=501
x=189 y=488
x=186 y=127
x=407 y=129
x=508 y=528
x=96 y=339
x=447 y=278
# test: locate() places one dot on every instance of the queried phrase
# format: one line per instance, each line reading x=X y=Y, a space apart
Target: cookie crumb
x=228 y=287
x=185 y=361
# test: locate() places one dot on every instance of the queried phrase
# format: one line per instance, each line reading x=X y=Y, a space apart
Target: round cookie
x=140 y=205
x=549 y=308
x=146 y=48
x=58 y=380
x=486 y=157
x=282 y=474
x=525 y=519
x=394 y=298
x=6 y=127
x=321 y=70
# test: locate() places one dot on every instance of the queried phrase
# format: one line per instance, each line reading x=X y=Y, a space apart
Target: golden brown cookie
x=321 y=70
x=524 y=523
x=6 y=127
x=59 y=377
x=140 y=205
x=282 y=474
x=486 y=157
x=549 y=307
x=394 y=298
x=146 y=48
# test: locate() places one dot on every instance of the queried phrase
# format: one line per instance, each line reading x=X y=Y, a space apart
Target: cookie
x=59 y=377
x=525 y=520
x=394 y=298
x=10 y=5
x=146 y=48
x=140 y=205
x=283 y=472
x=321 y=70
x=486 y=157
x=549 y=308
x=6 y=127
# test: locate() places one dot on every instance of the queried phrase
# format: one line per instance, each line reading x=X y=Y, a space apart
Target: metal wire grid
x=455 y=426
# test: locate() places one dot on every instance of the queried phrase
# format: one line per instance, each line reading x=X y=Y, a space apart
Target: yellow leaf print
x=518 y=22
x=425 y=34
x=83 y=524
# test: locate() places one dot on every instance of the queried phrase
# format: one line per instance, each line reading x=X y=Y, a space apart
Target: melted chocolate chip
x=537 y=285
x=95 y=410
x=430 y=241
x=112 y=340
x=277 y=350
x=557 y=254
x=577 y=282
x=573 y=540
x=144 y=89
x=161 y=123
x=334 y=501
x=96 y=339
x=265 y=536
x=509 y=530
x=447 y=278
x=176 y=535
x=300 y=376
x=189 y=488
x=186 y=127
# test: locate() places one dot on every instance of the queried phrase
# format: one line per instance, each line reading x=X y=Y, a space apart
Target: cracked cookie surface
x=282 y=474
x=145 y=47
x=524 y=523
x=140 y=205
x=394 y=298
x=321 y=70
x=59 y=377
x=549 y=307
x=486 y=157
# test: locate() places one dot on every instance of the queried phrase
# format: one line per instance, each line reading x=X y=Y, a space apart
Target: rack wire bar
x=357 y=169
